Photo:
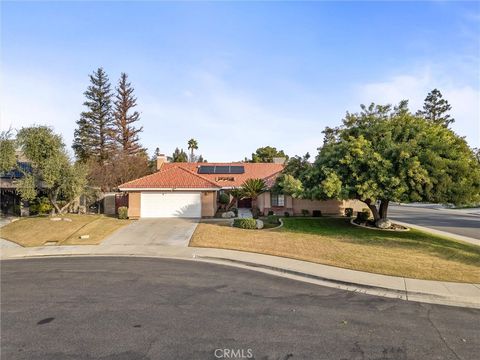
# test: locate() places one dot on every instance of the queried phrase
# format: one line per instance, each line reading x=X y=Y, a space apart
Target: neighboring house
x=191 y=190
x=10 y=201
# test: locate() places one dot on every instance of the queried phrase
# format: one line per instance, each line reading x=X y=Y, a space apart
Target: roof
x=185 y=176
x=171 y=177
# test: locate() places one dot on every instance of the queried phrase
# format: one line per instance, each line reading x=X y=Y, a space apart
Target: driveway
x=164 y=231
x=465 y=223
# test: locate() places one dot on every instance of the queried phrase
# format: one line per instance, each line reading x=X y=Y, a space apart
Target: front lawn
x=36 y=231
x=334 y=241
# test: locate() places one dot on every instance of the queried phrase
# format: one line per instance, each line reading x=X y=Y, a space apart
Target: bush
x=245 y=223
x=235 y=210
x=123 y=212
x=224 y=199
x=348 y=212
x=364 y=215
x=270 y=212
x=305 y=212
x=273 y=219
x=40 y=206
x=316 y=213
x=286 y=214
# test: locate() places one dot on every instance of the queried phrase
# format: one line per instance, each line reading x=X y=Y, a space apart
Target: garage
x=170 y=204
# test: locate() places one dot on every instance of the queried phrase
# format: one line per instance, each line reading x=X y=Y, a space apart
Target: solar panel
x=222 y=169
x=237 y=169
x=206 y=170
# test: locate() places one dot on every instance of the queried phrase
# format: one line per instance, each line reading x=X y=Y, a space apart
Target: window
x=278 y=200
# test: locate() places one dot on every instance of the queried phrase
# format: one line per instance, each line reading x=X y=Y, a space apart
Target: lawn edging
x=352 y=221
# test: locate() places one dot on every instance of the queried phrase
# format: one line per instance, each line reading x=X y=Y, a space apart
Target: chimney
x=161 y=158
x=279 y=160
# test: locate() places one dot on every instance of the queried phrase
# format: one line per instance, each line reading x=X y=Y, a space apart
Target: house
x=11 y=203
x=192 y=190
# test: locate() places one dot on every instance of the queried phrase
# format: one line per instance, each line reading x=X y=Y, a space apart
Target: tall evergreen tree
x=435 y=109
x=125 y=117
x=94 y=136
x=179 y=156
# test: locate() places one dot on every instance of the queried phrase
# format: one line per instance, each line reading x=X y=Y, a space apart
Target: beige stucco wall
x=356 y=205
x=263 y=201
x=209 y=203
x=328 y=207
x=133 y=205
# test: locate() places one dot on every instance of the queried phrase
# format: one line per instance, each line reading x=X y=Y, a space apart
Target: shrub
x=305 y=212
x=245 y=223
x=348 y=212
x=224 y=199
x=40 y=206
x=270 y=212
x=286 y=214
x=123 y=212
x=363 y=215
x=273 y=219
x=316 y=213
x=235 y=210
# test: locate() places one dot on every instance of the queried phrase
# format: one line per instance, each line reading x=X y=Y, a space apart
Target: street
x=139 y=308
x=453 y=221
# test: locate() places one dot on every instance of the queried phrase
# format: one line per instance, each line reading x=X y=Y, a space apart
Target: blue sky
x=237 y=76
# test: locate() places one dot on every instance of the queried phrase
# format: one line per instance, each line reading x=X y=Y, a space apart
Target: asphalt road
x=452 y=221
x=134 y=308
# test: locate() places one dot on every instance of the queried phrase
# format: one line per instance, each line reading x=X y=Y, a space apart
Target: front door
x=245 y=203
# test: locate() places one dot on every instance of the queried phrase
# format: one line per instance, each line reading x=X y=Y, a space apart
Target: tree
x=383 y=155
x=192 y=145
x=251 y=188
x=179 y=156
x=435 y=109
x=94 y=136
x=266 y=155
x=200 y=159
x=51 y=168
x=288 y=185
x=236 y=194
x=126 y=134
x=298 y=166
x=8 y=160
x=120 y=168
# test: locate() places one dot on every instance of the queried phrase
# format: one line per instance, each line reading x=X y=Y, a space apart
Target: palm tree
x=252 y=188
x=192 y=145
x=237 y=194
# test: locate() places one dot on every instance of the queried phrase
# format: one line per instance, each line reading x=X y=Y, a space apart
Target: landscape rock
x=259 y=224
x=84 y=236
x=228 y=215
x=67 y=219
x=56 y=219
x=383 y=224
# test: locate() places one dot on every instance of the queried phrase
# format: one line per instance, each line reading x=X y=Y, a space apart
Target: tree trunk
x=383 y=208
x=373 y=209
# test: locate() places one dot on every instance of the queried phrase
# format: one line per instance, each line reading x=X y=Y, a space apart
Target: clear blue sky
x=237 y=76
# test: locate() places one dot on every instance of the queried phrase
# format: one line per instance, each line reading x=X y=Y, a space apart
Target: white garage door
x=170 y=204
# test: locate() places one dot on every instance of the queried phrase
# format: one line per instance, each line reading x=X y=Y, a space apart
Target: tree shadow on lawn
x=342 y=230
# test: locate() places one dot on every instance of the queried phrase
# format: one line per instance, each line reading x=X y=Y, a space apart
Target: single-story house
x=192 y=190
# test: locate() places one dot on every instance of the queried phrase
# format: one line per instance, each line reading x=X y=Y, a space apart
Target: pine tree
x=179 y=156
x=435 y=109
x=94 y=136
x=125 y=117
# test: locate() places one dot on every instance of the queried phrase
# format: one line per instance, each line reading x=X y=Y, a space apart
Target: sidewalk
x=436 y=292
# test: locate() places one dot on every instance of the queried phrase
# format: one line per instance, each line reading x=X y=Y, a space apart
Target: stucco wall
x=133 y=205
x=209 y=203
x=330 y=207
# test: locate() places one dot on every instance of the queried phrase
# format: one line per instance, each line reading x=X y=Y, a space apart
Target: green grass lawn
x=37 y=230
x=334 y=241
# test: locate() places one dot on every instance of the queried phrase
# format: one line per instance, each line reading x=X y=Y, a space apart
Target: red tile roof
x=170 y=178
x=184 y=175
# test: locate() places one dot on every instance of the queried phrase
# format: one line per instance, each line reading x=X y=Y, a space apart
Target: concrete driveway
x=162 y=231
